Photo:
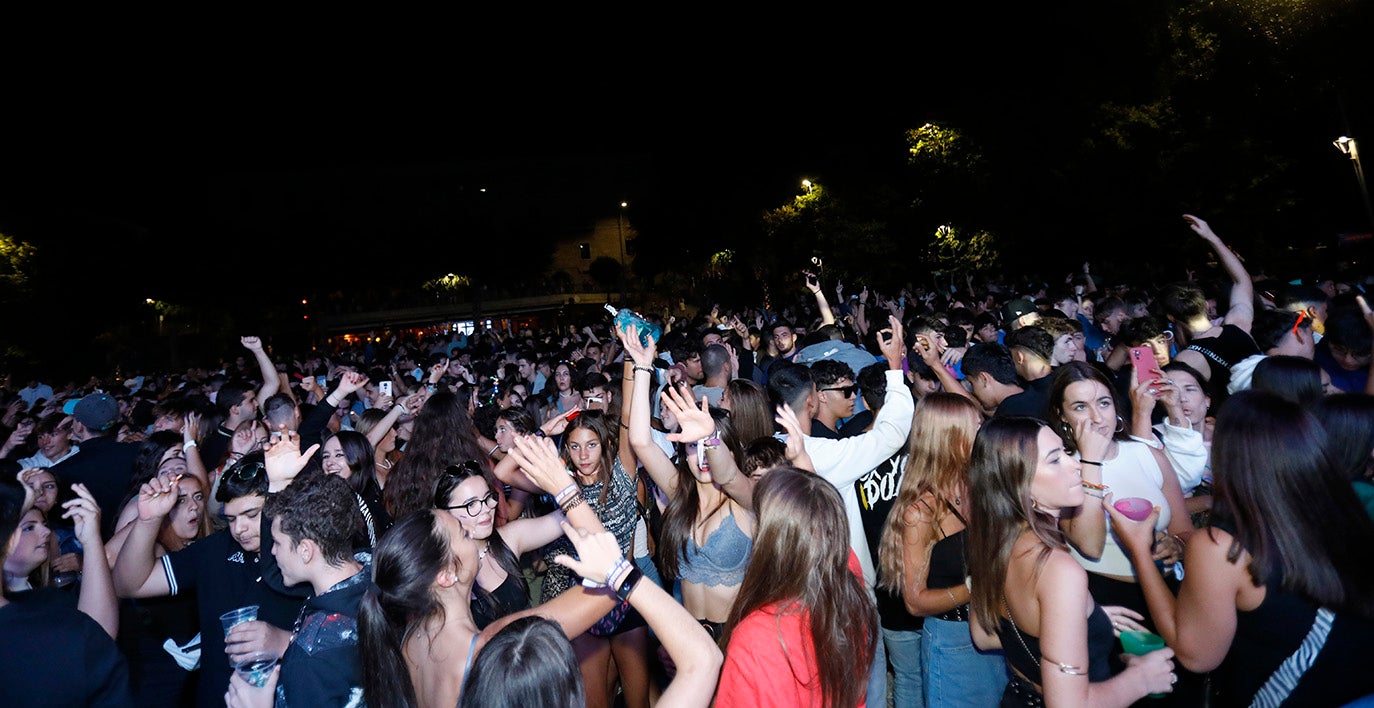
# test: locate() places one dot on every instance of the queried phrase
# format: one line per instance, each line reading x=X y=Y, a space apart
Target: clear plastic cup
x=256 y=667
x=239 y=616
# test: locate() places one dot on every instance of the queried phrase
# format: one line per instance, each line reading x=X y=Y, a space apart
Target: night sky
x=136 y=168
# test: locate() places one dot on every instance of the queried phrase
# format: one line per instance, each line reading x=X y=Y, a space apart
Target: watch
x=632 y=579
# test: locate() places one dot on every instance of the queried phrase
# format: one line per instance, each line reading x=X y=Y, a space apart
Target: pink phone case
x=1143 y=358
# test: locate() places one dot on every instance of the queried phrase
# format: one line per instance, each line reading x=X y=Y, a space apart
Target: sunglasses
x=247 y=472
x=848 y=391
x=471 y=466
x=475 y=507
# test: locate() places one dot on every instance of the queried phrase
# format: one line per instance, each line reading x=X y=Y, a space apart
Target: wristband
x=566 y=493
x=646 y=369
x=539 y=433
x=631 y=581
x=571 y=504
x=1090 y=462
x=188 y=445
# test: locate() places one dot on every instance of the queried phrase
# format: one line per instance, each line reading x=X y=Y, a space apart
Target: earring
x=1120 y=424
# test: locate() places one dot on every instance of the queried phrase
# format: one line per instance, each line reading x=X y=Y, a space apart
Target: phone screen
x=320 y=380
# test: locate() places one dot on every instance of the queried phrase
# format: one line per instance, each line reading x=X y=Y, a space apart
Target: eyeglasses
x=475 y=507
x=848 y=391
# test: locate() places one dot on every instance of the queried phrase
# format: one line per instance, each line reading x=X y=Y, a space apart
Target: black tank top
x=1023 y=650
x=948 y=567
x=506 y=598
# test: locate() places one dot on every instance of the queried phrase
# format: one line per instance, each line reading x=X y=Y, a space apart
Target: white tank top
x=1134 y=472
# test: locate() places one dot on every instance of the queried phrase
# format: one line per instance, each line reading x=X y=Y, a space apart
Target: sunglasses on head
x=249 y=471
x=457 y=470
x=848 y=391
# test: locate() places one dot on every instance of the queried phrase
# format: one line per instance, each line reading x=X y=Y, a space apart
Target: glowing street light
x=808 y=185
x=1349 y=146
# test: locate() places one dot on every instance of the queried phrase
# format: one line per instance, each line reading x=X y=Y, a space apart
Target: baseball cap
x=97 y=411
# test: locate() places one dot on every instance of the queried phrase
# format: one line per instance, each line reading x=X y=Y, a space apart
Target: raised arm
x=814 y=285
x=97 y=598
x=135 y=572
x=271 y=383
x=1241 y=313
x=694 y=653
x=656 y=463
x=695 y=425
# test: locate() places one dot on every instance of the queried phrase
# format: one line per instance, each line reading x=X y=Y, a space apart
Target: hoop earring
x=1120 y=424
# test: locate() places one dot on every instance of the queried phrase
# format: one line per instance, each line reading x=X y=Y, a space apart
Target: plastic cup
x=1140 y=643
x=239 y=616
x=1134 y=508
x=256 y=667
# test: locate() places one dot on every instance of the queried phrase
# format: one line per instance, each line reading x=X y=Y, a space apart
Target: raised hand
x=641 y=354
x=190 y=431
x=157 y=497
x=796 y=440
x=539 y=460
x=284 y=459
x=350 y=382
x=891 y=342
x=85 y=514
x=252 y=344
x=1199 y=227
x=693 y=423
x=597 y=553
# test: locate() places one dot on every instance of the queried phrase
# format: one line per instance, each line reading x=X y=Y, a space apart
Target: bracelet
x=628 y=586
x=712 y=442
x=1090 y=462
x=950 y=592
x=566 y=493
x=539 y=433
x=617 y=572
x=188 y=445
x=1099 y=495
x=571 y=504
x=1096 y=487
x=646 y=369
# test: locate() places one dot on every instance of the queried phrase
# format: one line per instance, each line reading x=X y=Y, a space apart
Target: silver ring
x=1173 y=678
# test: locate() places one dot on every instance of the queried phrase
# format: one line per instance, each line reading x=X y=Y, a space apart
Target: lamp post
x=1349 y=146
x=620 y=231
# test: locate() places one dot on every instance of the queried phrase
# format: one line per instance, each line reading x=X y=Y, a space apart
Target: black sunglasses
x=848 y=391
x=469 y=465
x=249 y=471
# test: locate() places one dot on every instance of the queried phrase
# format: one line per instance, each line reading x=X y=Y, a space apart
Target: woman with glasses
x=499 y=588
x=417 y=636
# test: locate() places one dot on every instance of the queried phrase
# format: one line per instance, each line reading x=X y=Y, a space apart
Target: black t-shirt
x=106 y=467
x=224 y=577
x=1033 y=401
x=877 y=490
x=51 y=655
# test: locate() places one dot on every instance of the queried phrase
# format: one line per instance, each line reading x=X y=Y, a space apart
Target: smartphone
x=1143 y=359
x=384 y=387
x=320 y=380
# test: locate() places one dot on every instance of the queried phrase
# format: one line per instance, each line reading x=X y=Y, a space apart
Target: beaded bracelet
x=571 y=504
x=646 y=369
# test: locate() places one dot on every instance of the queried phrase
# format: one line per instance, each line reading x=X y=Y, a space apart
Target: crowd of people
x=958 y=496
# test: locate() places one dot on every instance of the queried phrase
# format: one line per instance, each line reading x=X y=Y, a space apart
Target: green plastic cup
x=1140 y=643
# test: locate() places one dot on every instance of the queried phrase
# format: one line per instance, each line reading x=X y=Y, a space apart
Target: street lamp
x=620 y=231
x=1349 y=146
x=807 y=185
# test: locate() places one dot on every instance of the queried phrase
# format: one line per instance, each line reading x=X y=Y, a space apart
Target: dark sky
x=124 y=155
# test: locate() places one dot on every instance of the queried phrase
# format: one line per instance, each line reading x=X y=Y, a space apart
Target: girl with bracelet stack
x=707 y=533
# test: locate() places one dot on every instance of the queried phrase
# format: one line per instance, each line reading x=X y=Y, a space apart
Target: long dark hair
x=529 y=663
x=358 y=454
x=443 y=435
x=801 y=559
x=751 y=416
x=1001 y=469
x=505 y=557
x=683 y=510
x=1072 y=373
x=1348 y=419
x=399 y=602
x=1285 y=503
x=608 y=434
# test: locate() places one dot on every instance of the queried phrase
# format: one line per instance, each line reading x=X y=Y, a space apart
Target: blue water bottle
x=624 y=317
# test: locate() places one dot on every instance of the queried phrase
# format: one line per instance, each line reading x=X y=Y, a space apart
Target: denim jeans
x=877 y=678
x=957 y=674
x=904 y=655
